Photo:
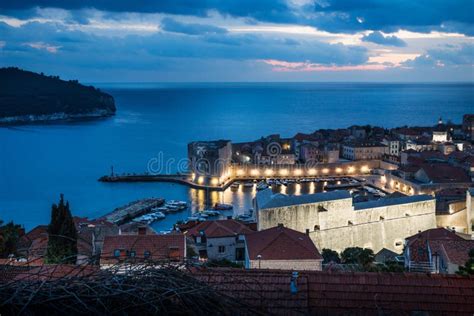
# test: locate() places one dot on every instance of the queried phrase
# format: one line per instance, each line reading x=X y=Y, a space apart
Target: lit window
x=147 y=254
x=133 y=253
x=117 y=253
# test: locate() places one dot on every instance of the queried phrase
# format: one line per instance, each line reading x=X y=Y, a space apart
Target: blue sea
x=154 y=122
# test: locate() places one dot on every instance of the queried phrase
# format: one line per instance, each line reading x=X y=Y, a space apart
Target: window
x=221 y=249
x=146 y=254
x=117 y=253
x=133 y=253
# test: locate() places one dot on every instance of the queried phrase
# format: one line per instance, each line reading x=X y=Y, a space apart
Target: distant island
x=27 y=97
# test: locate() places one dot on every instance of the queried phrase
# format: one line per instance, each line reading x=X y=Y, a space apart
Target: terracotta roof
x=422 y=243
x=220 y=228
x=436 y=234
x=456 y=251
x=160 y=247
x=56 y=271
x=458 y=192
x=281 y=243
x=444 y=173
x=26 y=240
x=354 y=293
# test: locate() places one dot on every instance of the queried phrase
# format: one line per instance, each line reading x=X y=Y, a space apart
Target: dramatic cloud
x=171 y=25
x=379 y=38
x=461 y=56
x=262 y=10
x=330 y=15
x=181 y=40
x=390 y=16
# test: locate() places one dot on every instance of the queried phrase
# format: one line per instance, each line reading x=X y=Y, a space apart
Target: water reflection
x=240 y=197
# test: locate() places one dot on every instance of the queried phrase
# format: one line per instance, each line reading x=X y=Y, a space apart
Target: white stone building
x=333 y=221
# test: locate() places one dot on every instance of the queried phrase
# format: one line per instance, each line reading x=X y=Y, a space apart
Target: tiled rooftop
x=150 y=247
x=322 y=293
x=219 y=228
x=281 y=243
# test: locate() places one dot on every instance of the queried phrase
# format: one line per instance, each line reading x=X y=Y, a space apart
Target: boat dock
x=175 y=178
x=126 y=213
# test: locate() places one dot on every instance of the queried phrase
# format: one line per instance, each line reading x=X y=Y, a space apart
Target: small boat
x=193 y=218
x=203 y=215
x=223 y=207
x=262 y=185
x=245 y=218
x=178 y=203
x=173 y=208
x=210 y=212
x=235 y=185
x=157 y=215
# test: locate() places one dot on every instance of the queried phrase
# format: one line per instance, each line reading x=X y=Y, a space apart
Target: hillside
x=29 y=97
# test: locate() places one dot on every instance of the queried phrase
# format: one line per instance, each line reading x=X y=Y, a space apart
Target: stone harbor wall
x=337 y=225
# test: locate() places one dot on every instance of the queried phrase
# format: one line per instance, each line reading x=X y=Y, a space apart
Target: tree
x=330 y=255
x=364 y=257
x=9 y=236
x=468 y=268
x=62 y=235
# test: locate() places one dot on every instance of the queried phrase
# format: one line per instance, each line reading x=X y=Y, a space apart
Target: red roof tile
x=281 y=243
x=456 y=251
x=160 y=247
x=444 y=173
x=435 y=234
x=56 y=271
x=325 y=293
x=220 y=228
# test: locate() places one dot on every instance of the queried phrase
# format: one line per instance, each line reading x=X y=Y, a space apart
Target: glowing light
x=268 y=172
x=284 y=172
x=325 y=170
x=254 y=172
x=338 y=170
x=240 y=172
x=215 y=181
x=298 y=189
x=312 y=188
x=364 y=169
x=351 y=169
x=201 y=180
x=312 y=171
x=298 y=172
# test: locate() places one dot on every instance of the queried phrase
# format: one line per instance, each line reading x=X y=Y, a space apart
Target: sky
x=241 y=40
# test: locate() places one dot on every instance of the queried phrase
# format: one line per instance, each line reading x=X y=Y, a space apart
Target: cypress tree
x=62 y=235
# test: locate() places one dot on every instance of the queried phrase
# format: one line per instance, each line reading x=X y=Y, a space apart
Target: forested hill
x=27 y=96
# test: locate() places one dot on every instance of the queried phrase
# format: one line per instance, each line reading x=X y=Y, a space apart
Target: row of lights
x=299 y=172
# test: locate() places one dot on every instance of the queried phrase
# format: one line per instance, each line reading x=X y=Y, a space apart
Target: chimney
x=142 y=230
x=280 y=225
x=307 y=231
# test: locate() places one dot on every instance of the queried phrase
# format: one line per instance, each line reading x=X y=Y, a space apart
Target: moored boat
x=223 y=207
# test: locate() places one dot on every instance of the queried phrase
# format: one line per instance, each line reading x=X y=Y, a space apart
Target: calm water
x=39 y=162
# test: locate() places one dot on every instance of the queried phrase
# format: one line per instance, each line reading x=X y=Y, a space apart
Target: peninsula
x=27 y=97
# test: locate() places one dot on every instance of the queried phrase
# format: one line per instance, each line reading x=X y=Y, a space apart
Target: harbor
x=235 y=202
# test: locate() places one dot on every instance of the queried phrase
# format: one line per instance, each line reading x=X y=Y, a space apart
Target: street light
x=259 y=257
